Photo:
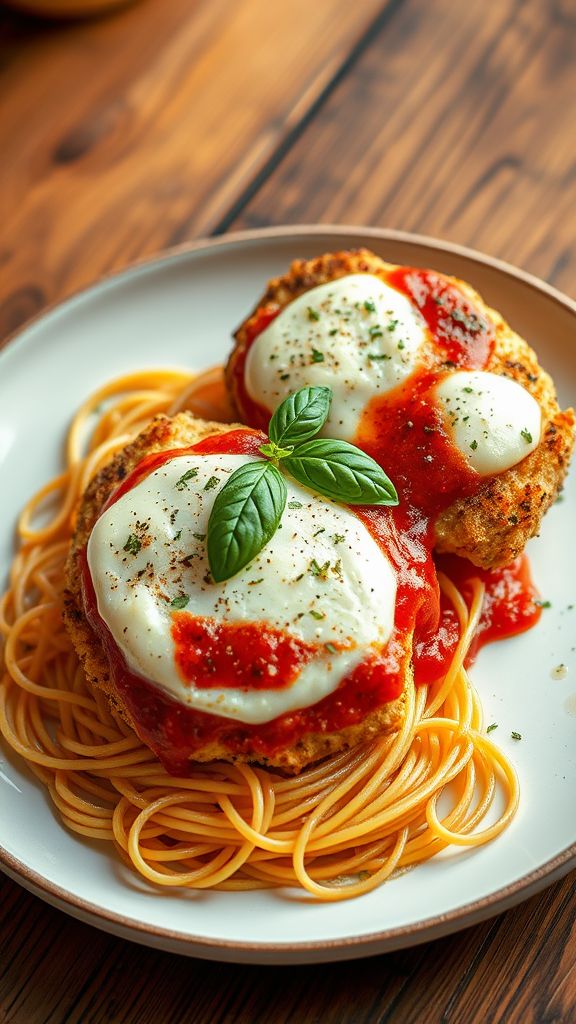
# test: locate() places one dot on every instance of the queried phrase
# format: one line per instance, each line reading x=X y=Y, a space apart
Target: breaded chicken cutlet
x=165 y=434
x=489 y=527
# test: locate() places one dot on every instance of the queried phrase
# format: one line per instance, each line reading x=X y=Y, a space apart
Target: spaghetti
x=338 y=830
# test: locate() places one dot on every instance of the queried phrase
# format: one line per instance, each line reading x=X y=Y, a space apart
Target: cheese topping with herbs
x=322 y=579
x=356 y=335
x=493 y=420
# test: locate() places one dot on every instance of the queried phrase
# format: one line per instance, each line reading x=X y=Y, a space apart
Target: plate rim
x=349 y=946
x=233 y=239
x=353 y=946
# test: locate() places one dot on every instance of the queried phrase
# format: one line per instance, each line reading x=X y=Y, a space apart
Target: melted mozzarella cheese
x=493 y=420
x=351 y=601
x=356 y=335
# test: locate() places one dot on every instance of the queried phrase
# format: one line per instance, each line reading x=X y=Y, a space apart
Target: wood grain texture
x=457 y=122
x=58 y=971
x=127 y=134
x=180 y=117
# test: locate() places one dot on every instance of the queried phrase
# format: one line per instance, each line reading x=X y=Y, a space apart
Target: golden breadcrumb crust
x=164 y=433
x=491 y=528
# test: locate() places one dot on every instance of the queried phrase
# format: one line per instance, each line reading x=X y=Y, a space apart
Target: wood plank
x=56 y=970
x=123 y=135
x=458 y=125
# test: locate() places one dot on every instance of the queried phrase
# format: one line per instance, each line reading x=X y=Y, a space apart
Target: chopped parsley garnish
x=178 y=535
x=369 y=305
x=469 y=391
x=400 y=344
x=313 y=314
x=182 y=483
x=375 y=332
x=254 y=583
x=284 y=376
x=516 y=735
x=338 y=538
x=333 y=332
x=392 y=325
x=317 y=615
x=180 y=602
x=199 y=536
x=294 y=504
x=317 y=357
x=492 y=727
x=375 y=356
x=211 y=483
x=526 y=435
x=319 y=570
x=330 y=648
x=543 y=604
x=132 y=545
x=321 y=530
x=474 y=445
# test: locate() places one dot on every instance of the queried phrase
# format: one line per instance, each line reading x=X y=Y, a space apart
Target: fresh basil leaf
x=341 y=471
x=244 y=517
x=300 y=416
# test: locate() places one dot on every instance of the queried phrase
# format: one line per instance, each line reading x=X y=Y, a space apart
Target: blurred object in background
x=67 y=8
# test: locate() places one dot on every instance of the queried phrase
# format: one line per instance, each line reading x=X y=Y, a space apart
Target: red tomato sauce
x=244 y=654
x=510 y=607
x=405 y=432
x=461 y=332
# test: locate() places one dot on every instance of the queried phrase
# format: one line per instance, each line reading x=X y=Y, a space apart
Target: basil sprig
x=248 y=508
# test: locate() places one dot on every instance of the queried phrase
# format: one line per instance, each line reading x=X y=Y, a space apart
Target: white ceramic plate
x=180 y=309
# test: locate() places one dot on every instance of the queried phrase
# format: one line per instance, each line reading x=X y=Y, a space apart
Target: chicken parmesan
x=304 y=652
x=428 y=380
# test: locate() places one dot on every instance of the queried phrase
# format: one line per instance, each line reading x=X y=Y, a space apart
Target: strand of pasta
x=339 y=829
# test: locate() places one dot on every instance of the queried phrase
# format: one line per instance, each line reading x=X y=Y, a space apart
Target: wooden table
x=180 y=118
